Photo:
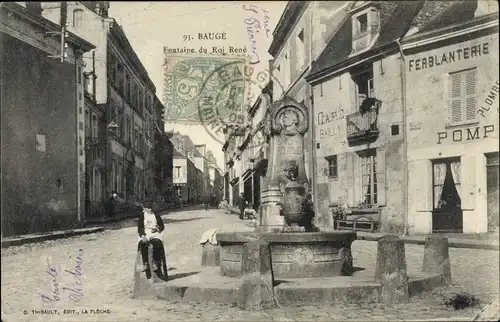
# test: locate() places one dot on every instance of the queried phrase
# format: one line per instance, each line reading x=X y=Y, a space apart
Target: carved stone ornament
x=290 y=118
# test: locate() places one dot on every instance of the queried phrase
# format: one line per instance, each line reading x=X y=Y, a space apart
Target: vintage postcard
x=250 y=160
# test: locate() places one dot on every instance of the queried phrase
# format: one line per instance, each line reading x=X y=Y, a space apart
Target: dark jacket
x=110 y=206
x=140 y=224
x=242 y=203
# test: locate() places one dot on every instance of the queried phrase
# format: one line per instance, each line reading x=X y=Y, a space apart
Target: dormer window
x=363 y=23
x=365 y=26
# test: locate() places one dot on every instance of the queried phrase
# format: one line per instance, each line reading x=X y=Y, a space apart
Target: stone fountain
x=295 y=253
x=281 y=263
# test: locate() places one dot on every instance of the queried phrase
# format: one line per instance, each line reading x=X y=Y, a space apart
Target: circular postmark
x=226 y=97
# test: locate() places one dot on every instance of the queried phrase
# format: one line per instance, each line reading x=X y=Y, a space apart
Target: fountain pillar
x=285 y=180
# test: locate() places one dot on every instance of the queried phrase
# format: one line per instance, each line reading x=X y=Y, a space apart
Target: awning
x=247 y=174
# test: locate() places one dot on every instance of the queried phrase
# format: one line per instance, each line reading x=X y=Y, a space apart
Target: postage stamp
x=226 y=97
x=184 y=78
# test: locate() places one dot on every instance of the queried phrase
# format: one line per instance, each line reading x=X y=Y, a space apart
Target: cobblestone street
x=107 y=263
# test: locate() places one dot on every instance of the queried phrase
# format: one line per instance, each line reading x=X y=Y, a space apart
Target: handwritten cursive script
x=76 y=292
x=55 y=296
x=254 y=26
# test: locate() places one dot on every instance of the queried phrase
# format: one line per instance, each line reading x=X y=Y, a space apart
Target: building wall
x=334 y=100
x=315 y=26
x=88 y=25
x=39 y=130
x=432 y=136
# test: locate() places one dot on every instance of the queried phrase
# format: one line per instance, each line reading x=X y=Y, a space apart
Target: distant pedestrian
x=111 y=205
x=242 y=204
x=150 y=228
x=207 y=202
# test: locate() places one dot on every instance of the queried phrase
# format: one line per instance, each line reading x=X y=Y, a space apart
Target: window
x=332 y=166
x=364 y=85
x=77 y=17
x=395 y=129
x=79 y=75
x=129 y=131
x=120 y=77
x=125 y=86
x=363 y=23
x=446 y=184
x=87 y=123
x=463 y=101
x=120 y=123
x=300 y=51
x=94 y=126
x=177 y=171
x=368 y=163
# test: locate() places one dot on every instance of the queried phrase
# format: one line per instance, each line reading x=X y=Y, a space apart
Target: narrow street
x=107 y=262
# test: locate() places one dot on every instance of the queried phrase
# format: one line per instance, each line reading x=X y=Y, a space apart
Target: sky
x=150 y=26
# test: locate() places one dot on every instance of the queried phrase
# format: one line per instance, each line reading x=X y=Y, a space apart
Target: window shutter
x=468 y=176
x=470 y=94
x=350 y=179
x=381 y=178
x=456 y=97
x=420 y=185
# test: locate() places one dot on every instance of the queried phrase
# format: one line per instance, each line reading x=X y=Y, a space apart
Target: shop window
x=368 y=173
x=332 y=166
x=446 y=185
x=463 y=101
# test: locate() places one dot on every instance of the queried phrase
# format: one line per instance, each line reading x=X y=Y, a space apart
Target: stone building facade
x=42 y=124
x=123 y=86
x=301 y=33
x=184 y=177
x=452 y=120
x=364 y=97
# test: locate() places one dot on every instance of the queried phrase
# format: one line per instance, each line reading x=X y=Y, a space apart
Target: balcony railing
x=362 y=126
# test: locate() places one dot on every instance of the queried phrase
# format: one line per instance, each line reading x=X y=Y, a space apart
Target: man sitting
x=150 y=228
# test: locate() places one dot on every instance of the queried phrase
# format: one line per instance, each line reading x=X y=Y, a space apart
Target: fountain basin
x=294 y=255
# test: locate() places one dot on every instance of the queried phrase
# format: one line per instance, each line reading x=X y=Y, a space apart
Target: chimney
x=35 y=7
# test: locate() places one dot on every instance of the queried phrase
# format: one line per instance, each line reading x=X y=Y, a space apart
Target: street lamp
x=112 y=127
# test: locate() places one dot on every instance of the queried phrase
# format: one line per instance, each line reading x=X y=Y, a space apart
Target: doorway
x=492 y=190
x=447 y=213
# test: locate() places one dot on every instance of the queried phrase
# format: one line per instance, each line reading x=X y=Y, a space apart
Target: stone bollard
x=390 y=269
x=437 y=257
x=143 y=281
x=256 y=288
x=210 y=255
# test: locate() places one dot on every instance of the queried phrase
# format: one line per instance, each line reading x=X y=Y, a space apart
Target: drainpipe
x=312 y=155
x=405 y=136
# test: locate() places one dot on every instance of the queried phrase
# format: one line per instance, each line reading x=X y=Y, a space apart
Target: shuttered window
x=463 y=96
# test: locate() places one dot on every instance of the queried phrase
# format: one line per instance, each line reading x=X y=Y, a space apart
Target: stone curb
x=49 y=236
x=452 y=242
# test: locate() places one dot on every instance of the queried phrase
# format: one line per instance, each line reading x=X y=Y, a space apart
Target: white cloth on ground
x=150 y=224
x=210 y=236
